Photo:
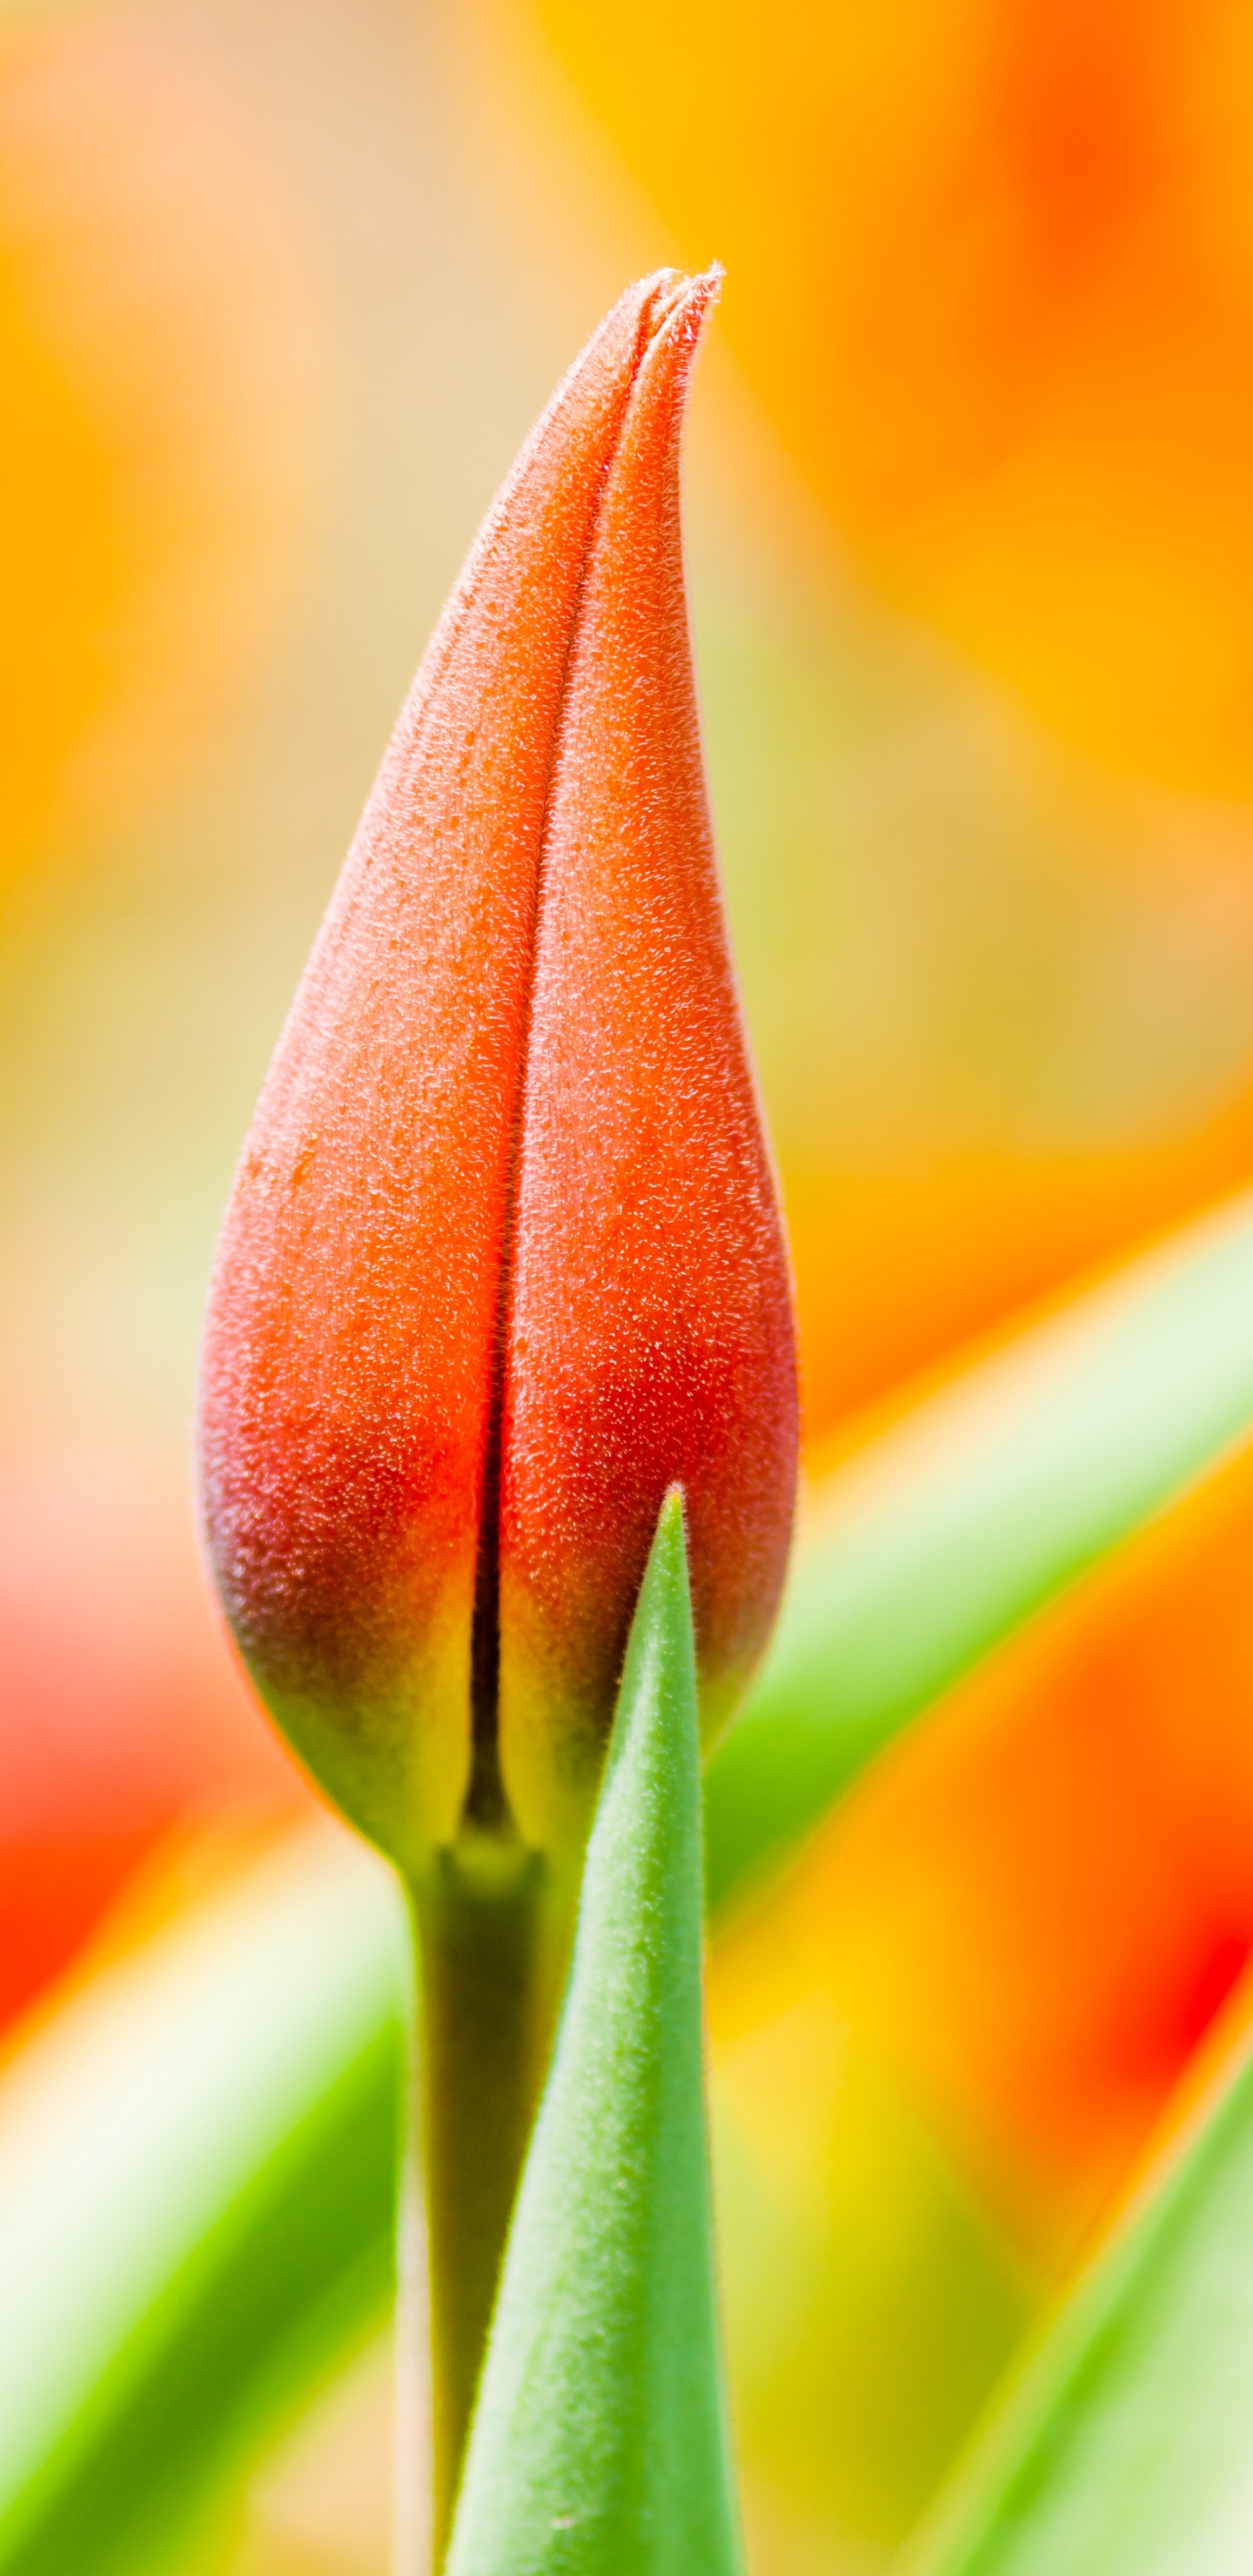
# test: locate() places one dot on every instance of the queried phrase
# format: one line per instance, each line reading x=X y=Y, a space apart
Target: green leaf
x=1126 y=2445
x=599 y=2445
x=197 y=2160
x=973 y=1511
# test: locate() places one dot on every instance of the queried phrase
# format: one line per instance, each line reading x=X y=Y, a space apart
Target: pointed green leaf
x=975 y=1509
x=1126 y=2445
x=599 y=2445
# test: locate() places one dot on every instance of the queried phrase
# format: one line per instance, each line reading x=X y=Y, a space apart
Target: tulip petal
x=351 y=1361
x=510 y=1133
x=649 y=1329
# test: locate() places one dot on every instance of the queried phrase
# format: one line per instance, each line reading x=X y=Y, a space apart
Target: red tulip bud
x=503 y=1260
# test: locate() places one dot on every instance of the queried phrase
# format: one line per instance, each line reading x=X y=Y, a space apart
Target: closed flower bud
x=503 y=1261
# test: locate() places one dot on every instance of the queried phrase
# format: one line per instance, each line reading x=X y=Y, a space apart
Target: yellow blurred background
x=971 y=553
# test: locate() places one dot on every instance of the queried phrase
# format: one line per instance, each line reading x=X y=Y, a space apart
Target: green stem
x=489 y=1917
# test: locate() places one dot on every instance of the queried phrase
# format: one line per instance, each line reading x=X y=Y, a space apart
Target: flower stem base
x=489 y=1917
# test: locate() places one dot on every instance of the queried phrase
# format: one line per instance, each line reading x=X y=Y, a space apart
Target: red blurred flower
x=503 y=1258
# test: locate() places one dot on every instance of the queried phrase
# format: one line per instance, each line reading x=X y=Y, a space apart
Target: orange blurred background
x=971 y=551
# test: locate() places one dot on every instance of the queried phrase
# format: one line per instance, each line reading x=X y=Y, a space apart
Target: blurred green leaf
x=1126 y=2445
x=599 y=2445
x=972 y=1512
x=197 y=2161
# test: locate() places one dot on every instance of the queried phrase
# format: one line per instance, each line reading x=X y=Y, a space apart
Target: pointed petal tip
x=706 y=285
x=670 y=296
x=674 y=326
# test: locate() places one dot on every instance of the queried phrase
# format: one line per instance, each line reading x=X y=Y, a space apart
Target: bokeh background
x=970 y=518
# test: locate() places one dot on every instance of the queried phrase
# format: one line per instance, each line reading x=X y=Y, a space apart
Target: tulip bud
x=502 y=1262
